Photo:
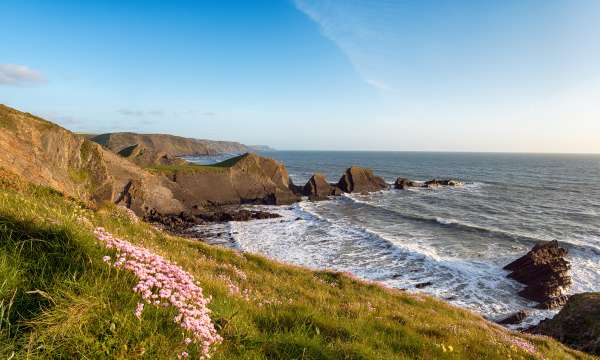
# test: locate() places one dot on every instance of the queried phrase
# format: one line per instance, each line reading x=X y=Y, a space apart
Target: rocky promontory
x=577 y=324
x=545 y=272
x=245 y=179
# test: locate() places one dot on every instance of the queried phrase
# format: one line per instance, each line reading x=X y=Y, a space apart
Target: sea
x=451 y=243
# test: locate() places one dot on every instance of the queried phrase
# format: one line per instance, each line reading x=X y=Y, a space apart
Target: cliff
x=46 y=154
x=246 y=179
x=169 y=144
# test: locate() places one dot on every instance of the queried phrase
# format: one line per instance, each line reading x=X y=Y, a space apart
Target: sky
x=500 y=76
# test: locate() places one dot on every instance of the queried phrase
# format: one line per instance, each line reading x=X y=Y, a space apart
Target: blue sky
x=306 y=74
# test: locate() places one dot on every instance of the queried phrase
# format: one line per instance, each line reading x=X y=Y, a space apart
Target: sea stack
x=361 y=180
x=317 y=188
x=545 y=272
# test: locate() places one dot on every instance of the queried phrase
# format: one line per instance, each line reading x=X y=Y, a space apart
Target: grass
x=59 y=300
x=194 y=168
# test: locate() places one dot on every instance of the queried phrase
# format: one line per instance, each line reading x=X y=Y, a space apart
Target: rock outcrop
x=142 y=156
x=515 y=318
x=246 y=179
x=577 y=324
x=403 y=183
x=545 y=272
x=46 y=154
x=361 y=180
x=317 y=188
x=444 y=182
x=168 y=144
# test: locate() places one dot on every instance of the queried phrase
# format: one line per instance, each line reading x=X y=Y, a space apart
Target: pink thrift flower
x=163 y=283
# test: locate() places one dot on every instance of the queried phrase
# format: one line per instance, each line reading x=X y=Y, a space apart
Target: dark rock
x=553 y=303
x=577 y=324
x=239 y=215
x=361 y=180
x=402 y=183
x=515 y=318
x=544 y=270
x=445 y=182
x=317 y=188
x=423 y=285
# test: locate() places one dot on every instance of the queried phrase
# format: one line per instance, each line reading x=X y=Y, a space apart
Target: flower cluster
x=162 y=283
x=130 y=214
x=523 y=344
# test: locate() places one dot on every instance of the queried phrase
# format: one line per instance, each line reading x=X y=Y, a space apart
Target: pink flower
x=106 y=259
x=138 y=310
x=163 y=283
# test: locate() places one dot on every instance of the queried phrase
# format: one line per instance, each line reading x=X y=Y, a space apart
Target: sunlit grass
x=58 y=299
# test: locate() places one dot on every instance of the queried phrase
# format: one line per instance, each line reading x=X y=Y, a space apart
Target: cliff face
x=245 y=179
x=46 y=154
x=168 y=144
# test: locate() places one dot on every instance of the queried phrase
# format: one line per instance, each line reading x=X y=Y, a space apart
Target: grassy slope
x=59 y=300
x=195 y=168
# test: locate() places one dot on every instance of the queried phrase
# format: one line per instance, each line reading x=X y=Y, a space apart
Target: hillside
x=244 y=179
x=169 y=144
x=46 y=154
x=60 y=299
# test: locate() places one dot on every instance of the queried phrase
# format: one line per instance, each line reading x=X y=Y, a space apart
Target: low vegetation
x=60 y=299
x=194 y=168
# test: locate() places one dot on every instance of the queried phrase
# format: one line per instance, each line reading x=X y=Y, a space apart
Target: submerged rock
x=317 y=188
x=545 y=272
x=402 y=183
x=577 y=324
x=423 y=285
x=515 y=318
x=445 y=182
x=361 y=180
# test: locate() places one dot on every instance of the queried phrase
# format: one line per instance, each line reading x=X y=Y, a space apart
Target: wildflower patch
x=164 y=284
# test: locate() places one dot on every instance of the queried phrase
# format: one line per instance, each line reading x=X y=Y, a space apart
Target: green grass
x=59 y=300
x=190 y=168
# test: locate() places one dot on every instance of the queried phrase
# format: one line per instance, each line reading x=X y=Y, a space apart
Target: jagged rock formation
x=577 y=324
x=442 y=182
x=317 y=188
x=46 y=154
x=246 y=179
x=361 y=180
x=168 y=144
x=403 y=183
x=544 y=270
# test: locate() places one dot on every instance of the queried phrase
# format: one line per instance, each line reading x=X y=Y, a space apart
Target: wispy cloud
x=353 y=35
x=19 y=75
x=140 y=113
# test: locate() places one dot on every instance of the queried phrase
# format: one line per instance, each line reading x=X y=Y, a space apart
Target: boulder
x=361 y=180
x=577 y=324
x=402 y=183
x=317 y=188
x=544 y=270
x=515 y=318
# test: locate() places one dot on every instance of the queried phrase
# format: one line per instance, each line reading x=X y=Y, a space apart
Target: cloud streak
x=19 y=75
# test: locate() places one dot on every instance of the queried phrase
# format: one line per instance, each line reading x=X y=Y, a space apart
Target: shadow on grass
x=43 y=257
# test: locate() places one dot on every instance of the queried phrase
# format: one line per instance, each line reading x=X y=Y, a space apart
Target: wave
x=459 y=225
